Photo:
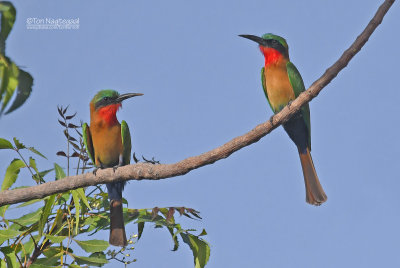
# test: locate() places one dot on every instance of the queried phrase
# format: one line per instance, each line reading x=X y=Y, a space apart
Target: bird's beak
x=127 y=96
x=254 y=38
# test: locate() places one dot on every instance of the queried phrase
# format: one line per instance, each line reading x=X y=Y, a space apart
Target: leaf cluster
x=13 y=80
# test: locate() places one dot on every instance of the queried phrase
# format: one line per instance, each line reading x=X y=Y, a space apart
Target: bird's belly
x=279 y=89
x=107 y=146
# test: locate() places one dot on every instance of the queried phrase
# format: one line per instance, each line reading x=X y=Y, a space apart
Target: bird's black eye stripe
x=104 y=102
x=278 y=46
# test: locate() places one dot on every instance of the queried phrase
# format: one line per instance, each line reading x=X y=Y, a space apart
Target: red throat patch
x=271 y=55
x=109 y=113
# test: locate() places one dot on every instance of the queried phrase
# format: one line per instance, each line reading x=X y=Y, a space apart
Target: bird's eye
x=105 y=98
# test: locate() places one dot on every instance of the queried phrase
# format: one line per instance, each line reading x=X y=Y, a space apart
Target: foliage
x=13 y=80
x=60 y=227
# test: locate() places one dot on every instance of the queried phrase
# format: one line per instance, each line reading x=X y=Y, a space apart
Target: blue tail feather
x=115 y=190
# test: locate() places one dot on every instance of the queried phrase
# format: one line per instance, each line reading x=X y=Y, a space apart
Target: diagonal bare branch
x=155 y=172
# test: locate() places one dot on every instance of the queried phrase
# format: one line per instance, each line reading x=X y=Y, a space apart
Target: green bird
x=282 y=83
x=108 y=144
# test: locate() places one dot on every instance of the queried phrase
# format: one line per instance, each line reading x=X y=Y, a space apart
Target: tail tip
x=316 y=201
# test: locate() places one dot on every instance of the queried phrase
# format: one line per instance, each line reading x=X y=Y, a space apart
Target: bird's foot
x=151 y=161
x=289 y=103
x=271 y=120
x=97 y=168
x=115 y=167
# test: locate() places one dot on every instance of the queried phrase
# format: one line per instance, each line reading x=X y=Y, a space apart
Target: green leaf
x=18 y=144
x=51 y=251
x=32 y=164
x=8 y=14
x=9 y=253
x=46 y=212
x=56 y=239
x=38 y=177
x=3 y=210
x=9 y=80
x=58 y=225
x=29 y=218
x=174 y=238
x=53 y=261
x=30 y=202
x=3 y=263
x=82 y=196
x=59 y=171
x=8 y=234
x=140 y=227
x=199 y=247
x=74 y=265
x=5 y=144
x=92 y=245
x=25 y=82
x=97 y=222
x=3 y=74
x=33 y=150
x=35 y=265
x=77 y=209
x=203 y=232
x=93 y=261
x=12 y=173
x=100 y=255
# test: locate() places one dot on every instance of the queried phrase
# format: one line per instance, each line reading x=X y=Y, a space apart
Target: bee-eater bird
x=108 y=144
x=282 y=83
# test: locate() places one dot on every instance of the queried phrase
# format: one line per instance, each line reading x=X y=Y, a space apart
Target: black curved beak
x=254 y=38
x=127 y=96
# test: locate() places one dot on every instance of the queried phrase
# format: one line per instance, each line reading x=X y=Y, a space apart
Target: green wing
x=298 y=86
x=265 y=87
x=87 y=140
x=126 y=142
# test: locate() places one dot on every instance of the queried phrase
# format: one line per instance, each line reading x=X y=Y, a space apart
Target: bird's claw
x=289 y=103
x=151 y=161
x=115 y=167
x=271 y=120
x=95 y=171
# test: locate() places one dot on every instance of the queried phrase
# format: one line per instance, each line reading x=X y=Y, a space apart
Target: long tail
x=315 y=194
x=117 y=228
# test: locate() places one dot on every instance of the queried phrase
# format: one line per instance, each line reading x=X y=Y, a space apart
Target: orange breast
x=107 y=143
x=279 y=89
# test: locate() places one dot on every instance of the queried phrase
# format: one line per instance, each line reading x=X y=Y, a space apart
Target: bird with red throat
x=282 y=83
x=108 y=144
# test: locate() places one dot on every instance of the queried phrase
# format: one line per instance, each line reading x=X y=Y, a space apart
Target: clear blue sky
x=201 y=86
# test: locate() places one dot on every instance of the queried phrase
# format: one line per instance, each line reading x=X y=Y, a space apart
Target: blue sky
x=201 y=86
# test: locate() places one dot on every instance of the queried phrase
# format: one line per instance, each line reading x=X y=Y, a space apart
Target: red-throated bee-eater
x=108 y=144
x=282 y=83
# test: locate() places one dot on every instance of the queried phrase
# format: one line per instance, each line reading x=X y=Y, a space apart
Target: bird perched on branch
x=108 y=144
x=282 y=83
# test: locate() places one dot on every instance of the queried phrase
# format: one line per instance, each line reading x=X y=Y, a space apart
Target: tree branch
x=148 y=171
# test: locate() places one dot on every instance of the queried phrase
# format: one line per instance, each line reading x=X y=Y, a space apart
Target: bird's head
x=272 y=46
x=107 y=102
